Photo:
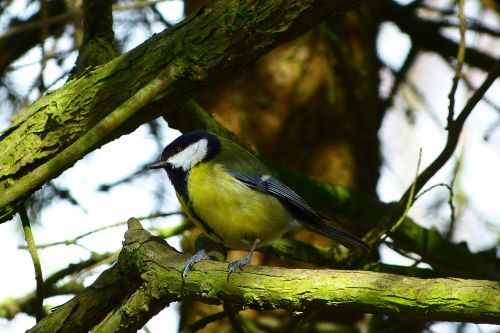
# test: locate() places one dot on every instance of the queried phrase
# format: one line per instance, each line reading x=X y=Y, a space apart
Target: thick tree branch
x=153 y=269
x=98 y=46
x=87 y=112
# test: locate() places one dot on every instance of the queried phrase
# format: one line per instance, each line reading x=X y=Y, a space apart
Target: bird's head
x=188 y=150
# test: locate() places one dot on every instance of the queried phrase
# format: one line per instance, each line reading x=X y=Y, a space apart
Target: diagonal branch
x=65 y=125
x=454 y=130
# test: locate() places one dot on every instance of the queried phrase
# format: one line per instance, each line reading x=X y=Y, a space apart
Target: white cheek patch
x=189 y=156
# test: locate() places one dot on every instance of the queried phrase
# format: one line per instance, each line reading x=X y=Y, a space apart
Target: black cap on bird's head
x=188 y=150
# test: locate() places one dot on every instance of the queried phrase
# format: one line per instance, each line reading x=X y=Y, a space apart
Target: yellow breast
x=230 y=212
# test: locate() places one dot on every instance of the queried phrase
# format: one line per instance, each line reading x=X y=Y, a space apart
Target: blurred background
x=351 y=102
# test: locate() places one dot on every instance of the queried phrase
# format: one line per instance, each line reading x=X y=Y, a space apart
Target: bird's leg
x=198 y=256
x=233 y=265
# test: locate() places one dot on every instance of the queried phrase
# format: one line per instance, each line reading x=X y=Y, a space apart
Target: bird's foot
x=198 y=256
x=238 y=264
x=233 y=265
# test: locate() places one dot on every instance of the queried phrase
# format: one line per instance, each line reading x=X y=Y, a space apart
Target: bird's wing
x=298 y=207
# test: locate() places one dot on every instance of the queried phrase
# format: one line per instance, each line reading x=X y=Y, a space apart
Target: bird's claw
x=233 y=265
x=238 y=264
x=198 y=256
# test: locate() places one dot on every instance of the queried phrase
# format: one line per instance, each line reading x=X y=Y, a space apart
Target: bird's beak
x=158 y=165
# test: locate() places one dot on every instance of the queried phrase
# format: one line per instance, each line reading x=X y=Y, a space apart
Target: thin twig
x=431 y=111
x=460 y=63
x=57 y=79
x=471 y=87
x=172 y=231
x=395 y=216
x=40 y=23
x=450 y=200
x=402 y=253
x=79 y=267
x=44 y=11
x=431 y=188
x=53 y=286
x=472 y=25
x=28 y=235
x=73 y=14
x=113 y=225
x=400 y=75
x=411 y=197
x=58 y=55
x=454 y=130
x=136 y=4
x=203 y=322
x=160 y=17
x=453 y=218
x=491 y=129
x=478 y=95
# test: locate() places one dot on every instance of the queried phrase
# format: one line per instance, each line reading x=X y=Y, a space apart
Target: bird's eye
x=177 y=150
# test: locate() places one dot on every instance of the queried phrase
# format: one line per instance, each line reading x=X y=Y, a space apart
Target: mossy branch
x=147 y=278
x=158 y=75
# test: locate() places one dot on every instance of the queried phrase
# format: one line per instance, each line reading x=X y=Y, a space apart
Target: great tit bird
x=234 y=198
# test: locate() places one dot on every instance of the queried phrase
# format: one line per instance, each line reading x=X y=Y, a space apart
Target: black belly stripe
x=206 y=228
x=179 y=179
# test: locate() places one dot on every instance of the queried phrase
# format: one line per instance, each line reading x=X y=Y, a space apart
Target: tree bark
x=147 y=278
x=170 y=67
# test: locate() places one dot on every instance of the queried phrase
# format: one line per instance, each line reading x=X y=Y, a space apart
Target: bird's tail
x=341 y=236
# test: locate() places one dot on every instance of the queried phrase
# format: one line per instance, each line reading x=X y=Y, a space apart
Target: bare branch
x=395 y=214
x=460 y=64
x=426 y=35
x=75 y=240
